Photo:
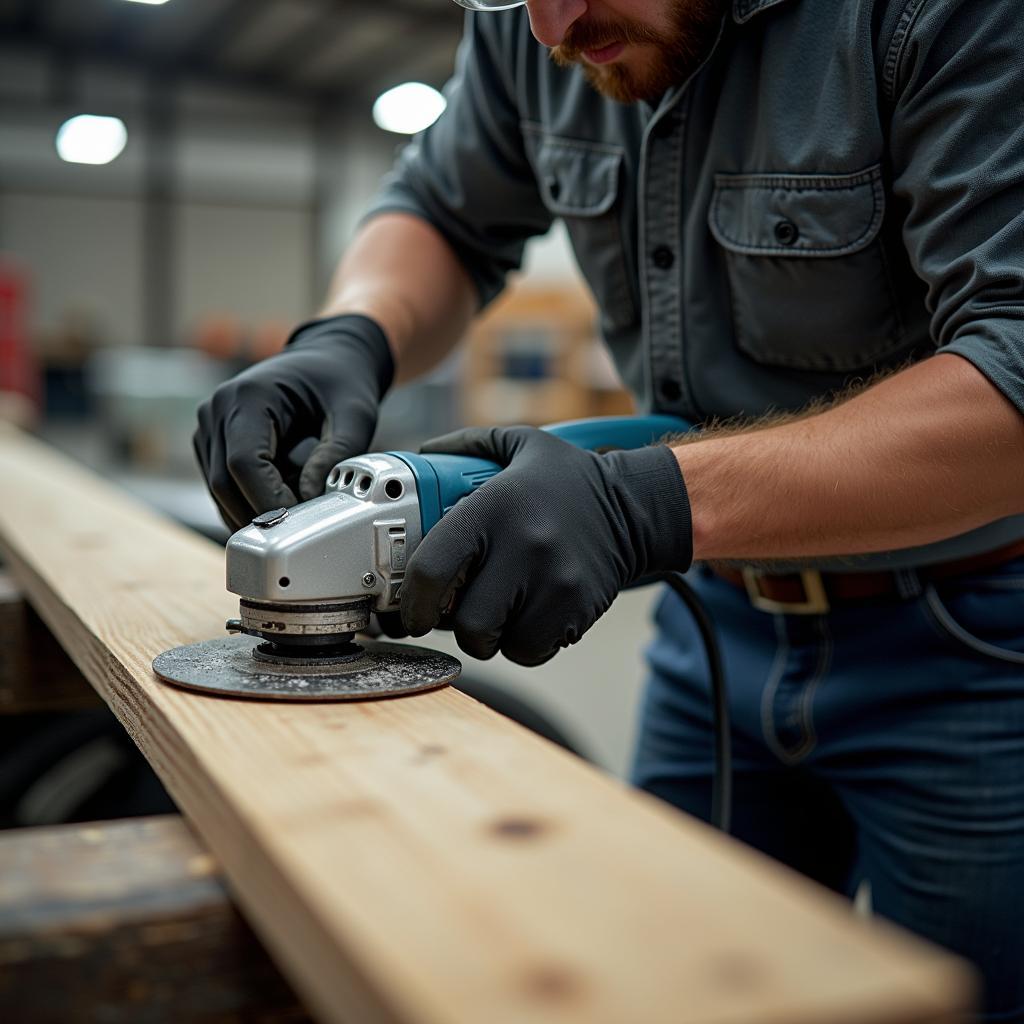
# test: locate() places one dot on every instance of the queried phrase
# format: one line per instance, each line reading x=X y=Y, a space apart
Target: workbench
x=421 y=860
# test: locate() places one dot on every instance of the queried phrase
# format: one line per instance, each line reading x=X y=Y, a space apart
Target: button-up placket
x=660 y=237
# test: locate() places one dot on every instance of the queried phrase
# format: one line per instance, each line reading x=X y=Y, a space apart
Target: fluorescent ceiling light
x=148 y=1
x=408 y=108
x=91 y=139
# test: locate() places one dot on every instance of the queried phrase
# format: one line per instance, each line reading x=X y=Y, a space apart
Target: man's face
x=629 y=49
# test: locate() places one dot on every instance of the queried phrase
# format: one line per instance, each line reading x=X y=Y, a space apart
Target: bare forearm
x=401 y=272
x=926 y=454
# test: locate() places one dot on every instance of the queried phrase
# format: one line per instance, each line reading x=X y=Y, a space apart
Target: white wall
x=84 y=254
x=243 y=185
x=251 y=261
x=246 y=184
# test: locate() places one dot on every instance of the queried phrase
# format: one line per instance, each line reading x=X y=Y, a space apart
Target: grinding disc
x=226 y=667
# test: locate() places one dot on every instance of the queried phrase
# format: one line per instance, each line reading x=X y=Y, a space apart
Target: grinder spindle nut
x=297 y=622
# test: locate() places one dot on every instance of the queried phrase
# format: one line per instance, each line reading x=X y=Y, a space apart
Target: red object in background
x=19 y=371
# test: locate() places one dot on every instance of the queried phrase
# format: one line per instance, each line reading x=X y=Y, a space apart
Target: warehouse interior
x=251 y=152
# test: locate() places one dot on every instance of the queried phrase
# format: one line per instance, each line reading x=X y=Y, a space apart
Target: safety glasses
x=490 y=5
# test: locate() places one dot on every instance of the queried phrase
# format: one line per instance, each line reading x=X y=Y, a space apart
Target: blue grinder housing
x=441 y=480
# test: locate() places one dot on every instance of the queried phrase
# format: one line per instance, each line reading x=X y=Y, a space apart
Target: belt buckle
x=815 y=599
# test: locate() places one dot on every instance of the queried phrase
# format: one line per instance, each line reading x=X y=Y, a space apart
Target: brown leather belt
x=810 y=592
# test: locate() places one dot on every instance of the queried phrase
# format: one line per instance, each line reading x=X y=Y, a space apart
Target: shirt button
x=663 y=257
x=669 y=389
x=786 y=232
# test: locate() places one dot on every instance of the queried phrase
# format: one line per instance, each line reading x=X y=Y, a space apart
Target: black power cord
x=721 y=788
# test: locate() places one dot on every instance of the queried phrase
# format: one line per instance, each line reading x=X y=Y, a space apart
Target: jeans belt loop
x=815 y=600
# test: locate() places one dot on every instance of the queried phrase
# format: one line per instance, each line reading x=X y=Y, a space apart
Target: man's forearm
x=925 y=454
x=402 y=273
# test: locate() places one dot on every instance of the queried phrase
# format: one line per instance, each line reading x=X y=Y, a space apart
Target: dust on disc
x=226 y=667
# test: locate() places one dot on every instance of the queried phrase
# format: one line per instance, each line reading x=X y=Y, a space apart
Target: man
x=775 y=202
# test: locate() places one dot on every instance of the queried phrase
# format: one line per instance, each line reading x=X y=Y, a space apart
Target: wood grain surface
x=127 y=922
x=424 y=859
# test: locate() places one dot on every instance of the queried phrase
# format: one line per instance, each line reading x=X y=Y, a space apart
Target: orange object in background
x=268 y=339
x=220 y=336
x=20 y=388
x=224 y=337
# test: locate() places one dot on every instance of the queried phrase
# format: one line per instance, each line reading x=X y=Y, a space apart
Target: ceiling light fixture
x=408 y=108
x=147 y=1
x=91 y=139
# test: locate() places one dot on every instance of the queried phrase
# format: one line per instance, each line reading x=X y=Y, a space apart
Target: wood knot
x=354 y=807
x=552 y=984
x=737 y=972
x=428 y=752
x=519 y=828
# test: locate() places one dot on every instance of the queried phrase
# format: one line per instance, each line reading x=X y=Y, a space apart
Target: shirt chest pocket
x=581 y=182
x=807 y=274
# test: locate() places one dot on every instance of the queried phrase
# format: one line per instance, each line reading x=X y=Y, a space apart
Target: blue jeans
x=880 y=742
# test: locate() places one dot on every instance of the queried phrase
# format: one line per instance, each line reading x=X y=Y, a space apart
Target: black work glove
x=326 y=384
x=538 y=553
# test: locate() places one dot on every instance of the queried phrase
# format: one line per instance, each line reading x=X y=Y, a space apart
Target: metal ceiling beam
x=371 y=51
x=201 y=61
x=308 y=42
x=337 y=17
x=218 y=32
x=61 y=46
x=419 y=16
x=125 y=30
x=29 y=15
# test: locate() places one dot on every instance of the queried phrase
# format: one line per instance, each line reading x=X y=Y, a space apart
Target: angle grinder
x=309 y=576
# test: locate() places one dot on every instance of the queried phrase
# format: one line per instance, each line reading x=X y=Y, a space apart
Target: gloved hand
x=327 y=384
x=538 y=553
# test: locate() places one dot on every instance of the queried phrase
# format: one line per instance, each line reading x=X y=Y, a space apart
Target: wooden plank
x=125 y=922
x=423 y=859
x=35 y=673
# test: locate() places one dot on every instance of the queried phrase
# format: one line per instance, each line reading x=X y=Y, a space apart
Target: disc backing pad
x=226 y=667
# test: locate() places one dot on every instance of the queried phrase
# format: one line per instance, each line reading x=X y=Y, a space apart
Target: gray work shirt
x=838 y=190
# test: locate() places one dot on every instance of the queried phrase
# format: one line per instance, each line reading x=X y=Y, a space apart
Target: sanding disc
x=227 y=667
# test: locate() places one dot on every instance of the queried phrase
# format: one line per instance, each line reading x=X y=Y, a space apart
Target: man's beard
x=675 y=54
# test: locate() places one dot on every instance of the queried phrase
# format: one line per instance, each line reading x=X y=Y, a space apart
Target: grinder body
x=308 y=577
x=313 y=572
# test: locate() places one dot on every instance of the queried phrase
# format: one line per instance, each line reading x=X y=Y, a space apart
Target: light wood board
x=423 y=859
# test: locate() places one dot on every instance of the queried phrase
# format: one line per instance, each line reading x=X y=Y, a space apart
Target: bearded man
x=804 y=217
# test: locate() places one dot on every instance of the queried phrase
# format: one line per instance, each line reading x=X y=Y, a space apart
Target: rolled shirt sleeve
x=468 y=175
x=955 y=78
